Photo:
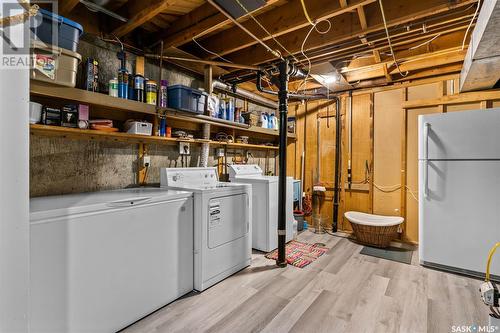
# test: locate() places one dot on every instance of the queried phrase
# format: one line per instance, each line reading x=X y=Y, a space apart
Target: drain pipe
x=283 y=94
x=245 y=94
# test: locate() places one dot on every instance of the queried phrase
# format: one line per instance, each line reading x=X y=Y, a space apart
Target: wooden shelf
x=104 y=101
x=87 y=134
x=87 y=97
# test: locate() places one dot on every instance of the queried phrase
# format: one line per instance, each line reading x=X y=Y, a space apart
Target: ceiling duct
x=234 y=8
x=481 y=69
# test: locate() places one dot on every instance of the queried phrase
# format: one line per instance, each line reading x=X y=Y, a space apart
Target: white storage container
x=138 y=127
x=54 y=64
x=101 y=261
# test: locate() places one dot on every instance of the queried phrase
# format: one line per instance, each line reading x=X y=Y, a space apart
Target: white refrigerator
x=459 y=190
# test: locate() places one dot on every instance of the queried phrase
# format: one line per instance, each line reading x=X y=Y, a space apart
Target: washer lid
x=64 y=205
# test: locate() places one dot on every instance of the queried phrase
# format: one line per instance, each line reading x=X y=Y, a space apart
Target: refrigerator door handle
x=426 y=159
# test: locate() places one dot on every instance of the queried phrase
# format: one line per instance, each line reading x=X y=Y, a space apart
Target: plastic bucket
x=299 y=217
x=68 y=32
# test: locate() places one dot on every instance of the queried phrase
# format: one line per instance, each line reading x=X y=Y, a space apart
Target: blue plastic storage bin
x=68 y=32
x=186 y=99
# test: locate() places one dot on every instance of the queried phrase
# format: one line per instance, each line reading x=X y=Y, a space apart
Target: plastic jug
x=264 y=119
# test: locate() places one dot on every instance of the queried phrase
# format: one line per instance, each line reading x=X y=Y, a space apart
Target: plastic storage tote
x=186 y=99
x=68 y=32
x=54 y=64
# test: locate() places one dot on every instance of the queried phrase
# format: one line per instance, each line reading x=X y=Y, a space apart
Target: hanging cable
x=488 y=263
x=276 y=53
x=470 y=24
x=305 y=12
x=208 y=51
x=424 y=43
x=389 y=40
x=266 y=31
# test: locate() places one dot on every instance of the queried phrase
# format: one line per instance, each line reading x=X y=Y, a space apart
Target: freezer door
x=460 y=135
x=459 y=219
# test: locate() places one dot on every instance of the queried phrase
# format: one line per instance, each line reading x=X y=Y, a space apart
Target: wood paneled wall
x=384 y=146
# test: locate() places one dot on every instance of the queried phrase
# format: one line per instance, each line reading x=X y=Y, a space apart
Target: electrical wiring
x=389 y=39
x=470 y=24
x=305 y=12
x=208 y=51
x=314 y=27
x=424 y=43
x=488 y=263
x=265 y=30
x=387 y=189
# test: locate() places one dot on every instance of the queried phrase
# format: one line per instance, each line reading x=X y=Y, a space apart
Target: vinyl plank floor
x=342 y=291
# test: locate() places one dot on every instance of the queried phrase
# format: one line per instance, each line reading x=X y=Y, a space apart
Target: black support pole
x=283 y=110
x=337 y=180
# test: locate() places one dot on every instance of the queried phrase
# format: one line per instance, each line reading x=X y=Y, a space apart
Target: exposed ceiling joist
x=423 y=61
x=279 y=21
x=201 y=21
x=66 y=6
x=143 y=16
x=345 y=27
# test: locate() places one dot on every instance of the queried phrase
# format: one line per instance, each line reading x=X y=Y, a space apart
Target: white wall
x=14 y=199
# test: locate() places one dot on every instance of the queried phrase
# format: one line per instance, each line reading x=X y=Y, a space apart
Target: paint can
x=151 y=92
x=113 y=87
x=163 y=127
x=131 y=91
x=163 y=93
x=139 y=87
x=123 y=83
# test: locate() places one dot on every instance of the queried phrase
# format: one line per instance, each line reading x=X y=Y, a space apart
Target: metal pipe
x=283 y=110
x=206 y=62
x=246 y=94
x=223 y=11
x=289 y=95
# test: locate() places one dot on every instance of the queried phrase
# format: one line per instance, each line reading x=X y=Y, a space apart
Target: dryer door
x=228 y=219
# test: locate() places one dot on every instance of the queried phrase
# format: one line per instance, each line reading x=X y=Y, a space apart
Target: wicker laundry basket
x=377 y=236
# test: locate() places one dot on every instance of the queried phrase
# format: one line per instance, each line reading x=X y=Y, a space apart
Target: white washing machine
x=265 y=205
x=222 y=228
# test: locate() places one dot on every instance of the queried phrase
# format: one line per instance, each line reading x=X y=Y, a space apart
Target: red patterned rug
x=300 y=254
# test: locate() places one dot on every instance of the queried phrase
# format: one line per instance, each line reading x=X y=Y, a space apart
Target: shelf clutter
x=105 y=104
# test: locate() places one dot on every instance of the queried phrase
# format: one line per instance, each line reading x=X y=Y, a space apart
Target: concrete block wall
x=63 y=166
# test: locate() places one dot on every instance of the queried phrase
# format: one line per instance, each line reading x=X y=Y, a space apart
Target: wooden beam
x=423 y=61
x=362 y=18
x=403 y=39
x=376 y=56
x=386 y=73
x=347 y=27
x=343 y=3
x=291 y=18
x=469 y=97
x=66 y=6
x=362 y=22
x=143 y=16
x=197 y=23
